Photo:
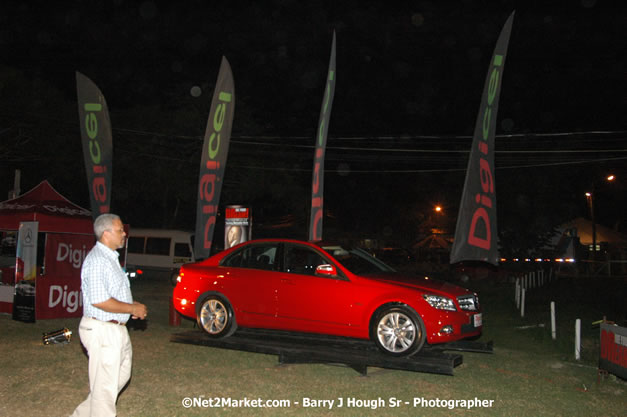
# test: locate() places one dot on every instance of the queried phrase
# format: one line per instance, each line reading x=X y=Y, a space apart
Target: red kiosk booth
x=66 y=235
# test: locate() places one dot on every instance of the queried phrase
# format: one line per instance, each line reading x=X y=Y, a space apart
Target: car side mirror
x=326 y=270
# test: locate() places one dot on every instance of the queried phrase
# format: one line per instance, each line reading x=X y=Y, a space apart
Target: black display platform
x=358 y=354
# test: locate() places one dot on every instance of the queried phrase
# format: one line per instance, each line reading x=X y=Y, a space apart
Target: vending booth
x=63 y=232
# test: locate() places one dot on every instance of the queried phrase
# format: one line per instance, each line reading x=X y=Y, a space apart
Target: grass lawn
x=529 y=374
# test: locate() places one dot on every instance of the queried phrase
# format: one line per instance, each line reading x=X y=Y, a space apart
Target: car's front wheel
x=174 y=277
x=215 y=316
x=398 y=331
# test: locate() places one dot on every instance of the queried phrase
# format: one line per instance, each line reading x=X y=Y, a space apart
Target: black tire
x=173 y=276
x=215 y=316
x=398 y=331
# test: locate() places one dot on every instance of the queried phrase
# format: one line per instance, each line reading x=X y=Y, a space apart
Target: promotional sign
x=25 y=273
x=59 y=296
x=213 y=161
x=96 y=139
x=237 y=225
x=476 y=232
x=317 y=182
x=65 y=253
x=613 y=353
x=59 y=288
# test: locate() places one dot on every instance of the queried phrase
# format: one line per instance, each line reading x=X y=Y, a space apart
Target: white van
x=159 y=250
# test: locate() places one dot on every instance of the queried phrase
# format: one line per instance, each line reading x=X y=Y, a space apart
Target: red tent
x=69 y=235
x=45 y=205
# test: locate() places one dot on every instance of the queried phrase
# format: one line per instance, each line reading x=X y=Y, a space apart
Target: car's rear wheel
x=215 y=316
x=398 y=331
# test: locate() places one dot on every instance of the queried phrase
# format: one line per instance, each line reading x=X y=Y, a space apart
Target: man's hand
x=139 y=311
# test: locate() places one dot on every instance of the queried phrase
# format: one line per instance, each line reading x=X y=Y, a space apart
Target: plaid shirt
x=102 y=278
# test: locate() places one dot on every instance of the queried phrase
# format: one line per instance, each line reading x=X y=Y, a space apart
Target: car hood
x=420 y=283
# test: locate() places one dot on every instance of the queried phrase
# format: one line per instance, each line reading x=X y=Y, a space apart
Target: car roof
x=290 y=240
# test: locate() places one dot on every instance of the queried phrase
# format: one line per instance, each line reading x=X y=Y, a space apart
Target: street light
x=590 y=198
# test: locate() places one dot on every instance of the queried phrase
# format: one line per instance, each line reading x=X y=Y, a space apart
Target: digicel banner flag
x=317 y=183
x=475 y=232
x=96 y=138
x=213 y=160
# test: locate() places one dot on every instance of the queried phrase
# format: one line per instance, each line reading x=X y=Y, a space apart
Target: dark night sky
x=409 y=81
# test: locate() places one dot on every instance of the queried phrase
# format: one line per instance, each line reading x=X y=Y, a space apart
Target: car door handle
x=286 y=281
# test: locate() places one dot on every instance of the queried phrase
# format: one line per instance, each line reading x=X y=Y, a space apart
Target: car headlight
x=468 y=302
x=439 y=302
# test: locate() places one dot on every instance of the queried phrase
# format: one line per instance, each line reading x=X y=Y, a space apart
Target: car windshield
x=357 y=260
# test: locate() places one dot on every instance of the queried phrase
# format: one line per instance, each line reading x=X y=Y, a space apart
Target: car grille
x=468 y=302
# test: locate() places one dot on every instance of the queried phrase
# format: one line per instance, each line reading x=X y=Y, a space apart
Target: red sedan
x=328 y=289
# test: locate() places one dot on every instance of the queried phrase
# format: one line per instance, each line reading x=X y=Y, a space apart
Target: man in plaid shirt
x=107 y=306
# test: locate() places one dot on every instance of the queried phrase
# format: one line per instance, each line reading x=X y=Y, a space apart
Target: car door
x=309 y=302
x=252 y=284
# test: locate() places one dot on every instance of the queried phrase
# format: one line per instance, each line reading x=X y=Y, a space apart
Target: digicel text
x=208 y=181
x=99 y=185
x=317 y=192
x=484 y=199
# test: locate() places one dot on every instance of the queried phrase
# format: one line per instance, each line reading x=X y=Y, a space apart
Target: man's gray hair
x=104 y=222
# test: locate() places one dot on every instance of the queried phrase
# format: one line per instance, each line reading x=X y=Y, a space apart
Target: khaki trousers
x=110 y=357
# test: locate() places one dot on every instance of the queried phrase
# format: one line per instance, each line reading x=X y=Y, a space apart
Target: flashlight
x=58 y=336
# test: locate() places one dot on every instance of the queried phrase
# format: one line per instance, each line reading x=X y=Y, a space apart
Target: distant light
x=588 y=194
x=417 y=19
x=438 y=208
x=507 y=124
x=195 y=91
x=343 y=169
x=610 y=177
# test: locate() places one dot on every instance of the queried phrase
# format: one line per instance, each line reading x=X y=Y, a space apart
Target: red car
x=328 y=289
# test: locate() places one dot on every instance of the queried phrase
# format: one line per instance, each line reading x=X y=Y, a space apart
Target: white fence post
x=578 y=339
x=553 y=333
x=517 y=293
x=522 y=304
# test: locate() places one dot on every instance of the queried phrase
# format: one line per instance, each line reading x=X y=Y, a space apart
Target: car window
x=302 y=260
x=261 y=256
x=182 y=249
x=135 y=244
x=357 y=260
x=158 y=246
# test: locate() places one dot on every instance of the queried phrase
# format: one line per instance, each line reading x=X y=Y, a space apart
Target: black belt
x=112 y=321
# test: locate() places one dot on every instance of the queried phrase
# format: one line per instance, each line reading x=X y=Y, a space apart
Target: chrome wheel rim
x=396 y=332
x=213 y=316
